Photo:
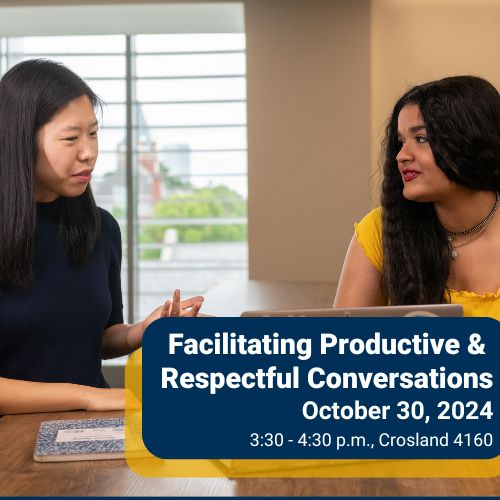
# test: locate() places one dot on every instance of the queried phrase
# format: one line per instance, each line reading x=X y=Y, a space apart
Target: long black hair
x=31 y=93
x=462 y=119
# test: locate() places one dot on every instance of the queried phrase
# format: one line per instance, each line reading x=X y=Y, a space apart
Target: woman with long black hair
x=436 y=237
x=60 y=255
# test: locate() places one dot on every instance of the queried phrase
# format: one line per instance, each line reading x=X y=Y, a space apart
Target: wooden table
x=20 y=475
x=231 y=298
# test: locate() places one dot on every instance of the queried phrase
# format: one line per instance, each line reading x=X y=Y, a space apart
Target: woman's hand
x=103 y=399
x=109 y=399
x=170 y=309
x=176 y=308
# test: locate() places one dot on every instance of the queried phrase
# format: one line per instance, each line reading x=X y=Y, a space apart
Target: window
x=172 y=166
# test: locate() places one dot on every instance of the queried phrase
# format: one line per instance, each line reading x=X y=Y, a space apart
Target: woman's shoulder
x=371 y=222
x=374 y=215
x=107 y=220
x=110 y=229
x=368 y=232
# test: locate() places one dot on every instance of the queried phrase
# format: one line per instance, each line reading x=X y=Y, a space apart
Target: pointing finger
x=176 y=304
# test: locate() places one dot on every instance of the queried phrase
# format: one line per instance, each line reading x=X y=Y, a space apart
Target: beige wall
x=308 y=74
x=414 y=41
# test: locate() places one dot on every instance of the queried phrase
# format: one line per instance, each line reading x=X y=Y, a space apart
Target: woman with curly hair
x=436 y=237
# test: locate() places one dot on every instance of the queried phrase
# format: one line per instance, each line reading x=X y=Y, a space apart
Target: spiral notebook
x=82 y=439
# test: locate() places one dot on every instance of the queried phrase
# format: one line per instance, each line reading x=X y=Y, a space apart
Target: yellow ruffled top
x=369 y=235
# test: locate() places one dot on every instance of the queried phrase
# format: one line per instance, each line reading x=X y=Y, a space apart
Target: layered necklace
x=474 y=232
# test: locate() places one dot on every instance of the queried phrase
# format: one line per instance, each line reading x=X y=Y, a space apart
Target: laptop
x=430 y=310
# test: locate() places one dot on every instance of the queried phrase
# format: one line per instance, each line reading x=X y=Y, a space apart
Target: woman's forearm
x=121 y=339
x=20 y=396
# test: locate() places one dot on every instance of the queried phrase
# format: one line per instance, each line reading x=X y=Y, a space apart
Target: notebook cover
x=83 y=439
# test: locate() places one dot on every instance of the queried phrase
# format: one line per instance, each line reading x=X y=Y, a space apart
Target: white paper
x=91 y=434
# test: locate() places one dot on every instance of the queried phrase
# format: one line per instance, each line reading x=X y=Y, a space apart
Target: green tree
x=172 y=181
x=209 y=202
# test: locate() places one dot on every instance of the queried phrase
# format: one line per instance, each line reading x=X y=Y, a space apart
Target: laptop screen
x=445 y=310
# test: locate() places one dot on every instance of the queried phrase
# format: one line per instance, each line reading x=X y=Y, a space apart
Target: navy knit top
x=52 y=331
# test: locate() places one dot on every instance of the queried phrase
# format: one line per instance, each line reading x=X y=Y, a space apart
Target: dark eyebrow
x=75 y=127
x=414 y=129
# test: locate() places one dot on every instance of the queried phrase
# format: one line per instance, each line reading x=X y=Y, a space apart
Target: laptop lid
x=445 y=310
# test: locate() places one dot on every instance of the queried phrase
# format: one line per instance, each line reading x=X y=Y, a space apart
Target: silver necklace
x=480 y=225
x=478 y=229
x=453 y=252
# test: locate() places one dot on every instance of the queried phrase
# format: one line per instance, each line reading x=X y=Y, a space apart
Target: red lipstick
x=409 y=175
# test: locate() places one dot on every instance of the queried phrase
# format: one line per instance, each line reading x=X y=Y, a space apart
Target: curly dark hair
x=31 y=93
x=462 y=119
